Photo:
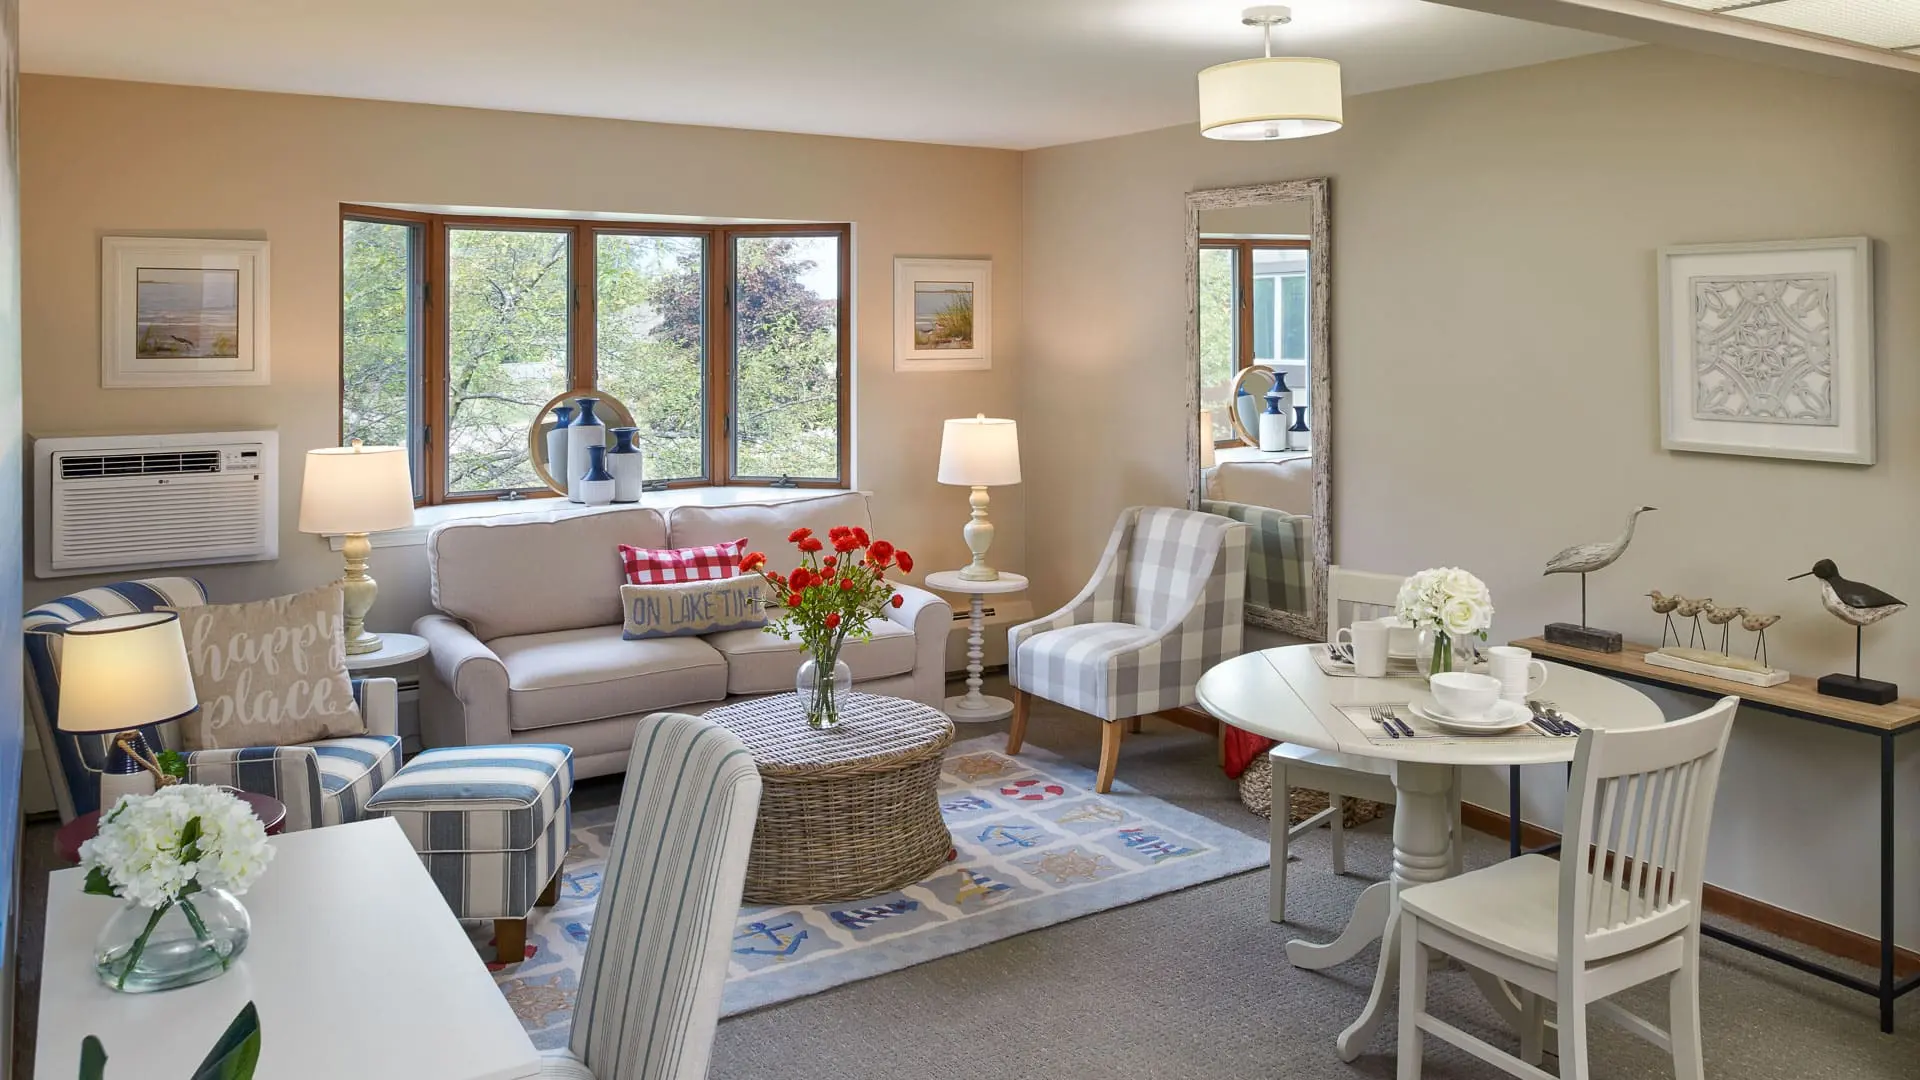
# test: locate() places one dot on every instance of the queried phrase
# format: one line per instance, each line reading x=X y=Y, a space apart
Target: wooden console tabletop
x=1795 y=697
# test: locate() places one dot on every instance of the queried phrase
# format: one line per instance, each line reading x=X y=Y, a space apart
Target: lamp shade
x=1272 y=97
x=124 y=671
x=1206 y=439
x=979 y=452
x=356 y=489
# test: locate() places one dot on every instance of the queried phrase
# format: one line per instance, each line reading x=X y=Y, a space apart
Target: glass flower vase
x=179 y=943
x=822 y=689
x=1435 y=651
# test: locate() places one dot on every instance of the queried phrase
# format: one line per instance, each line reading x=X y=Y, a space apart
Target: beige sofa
x=527 y=647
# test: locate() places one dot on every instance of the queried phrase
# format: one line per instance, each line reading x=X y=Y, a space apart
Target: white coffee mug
x=1519 y=673
x=1366 y=642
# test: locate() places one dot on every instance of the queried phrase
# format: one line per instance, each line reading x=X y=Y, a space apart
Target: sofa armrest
x=931 y=620
x=463 y=690
x=379 y=701
x=288 y=773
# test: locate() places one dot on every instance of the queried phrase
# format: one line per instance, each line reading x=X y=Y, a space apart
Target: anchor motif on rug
x=1153 y=847
x=784 y=944
x=1006 y=836
x=979 y=886
x=863 y=918
x=965 y=803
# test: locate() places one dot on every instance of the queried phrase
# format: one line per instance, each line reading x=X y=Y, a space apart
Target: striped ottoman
x=490 y=823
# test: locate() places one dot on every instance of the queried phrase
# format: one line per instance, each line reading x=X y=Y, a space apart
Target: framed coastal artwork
x=1766 y=349
x=183 y=313
x=942 y=314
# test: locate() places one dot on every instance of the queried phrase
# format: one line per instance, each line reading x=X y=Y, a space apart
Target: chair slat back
x=1641 y=803
x=1354 y=595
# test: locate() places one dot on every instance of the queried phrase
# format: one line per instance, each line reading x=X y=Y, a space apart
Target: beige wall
x=107 y=157
x=1495 y=352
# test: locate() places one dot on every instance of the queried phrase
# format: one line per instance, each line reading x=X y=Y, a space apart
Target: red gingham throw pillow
x=667 y=566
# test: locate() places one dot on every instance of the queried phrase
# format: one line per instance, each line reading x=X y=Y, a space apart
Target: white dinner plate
x=1505 y=716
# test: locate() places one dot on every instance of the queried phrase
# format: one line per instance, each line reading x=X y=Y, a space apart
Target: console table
x=1797 y=697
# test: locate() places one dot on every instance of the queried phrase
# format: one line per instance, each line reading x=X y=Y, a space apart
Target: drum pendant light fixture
x=1270 y=97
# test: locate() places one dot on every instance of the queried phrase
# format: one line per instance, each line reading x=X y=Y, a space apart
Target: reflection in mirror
x=1262 y=390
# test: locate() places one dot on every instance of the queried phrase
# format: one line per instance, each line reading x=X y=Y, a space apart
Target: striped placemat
x=1362 y=718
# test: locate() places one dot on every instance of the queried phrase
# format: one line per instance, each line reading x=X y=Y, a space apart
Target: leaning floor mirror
x=1260 y=386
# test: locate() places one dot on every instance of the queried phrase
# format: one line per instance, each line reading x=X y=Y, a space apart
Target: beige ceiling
x=1880 y=24
x=1009 y=73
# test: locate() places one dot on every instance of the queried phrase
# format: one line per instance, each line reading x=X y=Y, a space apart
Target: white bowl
x=1463 y=695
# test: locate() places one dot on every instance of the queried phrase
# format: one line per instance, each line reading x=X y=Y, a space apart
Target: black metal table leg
x=1513 y=811
x=1886 y=884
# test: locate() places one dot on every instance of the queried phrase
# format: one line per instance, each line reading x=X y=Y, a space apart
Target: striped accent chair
x=1165 y=604
x=1279 y=565
x=322 y=783
x=656 y=959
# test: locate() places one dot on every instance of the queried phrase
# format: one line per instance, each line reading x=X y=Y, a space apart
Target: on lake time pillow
x=692 y=608
x=269 y=672
x=664 y=566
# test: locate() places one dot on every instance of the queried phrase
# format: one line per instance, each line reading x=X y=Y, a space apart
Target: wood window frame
x=432 y=271
x=1243 y=249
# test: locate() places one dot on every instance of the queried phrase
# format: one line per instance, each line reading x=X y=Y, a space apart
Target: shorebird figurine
x=1664 y=605
x=1691 y=609
x=1722 y=617
x=1584 y=559
x=1860 y=606
x=1757 y=624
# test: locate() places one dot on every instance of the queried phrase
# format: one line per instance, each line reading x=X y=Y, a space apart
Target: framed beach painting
x=1766 y=349
x=182 y=313
x=942 y=314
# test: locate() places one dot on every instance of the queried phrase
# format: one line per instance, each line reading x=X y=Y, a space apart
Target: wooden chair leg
x=1220 y=738
x=1277 y=858
x=510 y=940
x=1133 y=726
x=1110 y=734
x=551 y=894
x=1017 y=733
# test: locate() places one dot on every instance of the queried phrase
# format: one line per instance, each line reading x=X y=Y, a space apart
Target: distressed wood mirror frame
x=1314 y=192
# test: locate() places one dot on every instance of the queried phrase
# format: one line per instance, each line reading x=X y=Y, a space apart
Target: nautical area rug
x=1036 y=847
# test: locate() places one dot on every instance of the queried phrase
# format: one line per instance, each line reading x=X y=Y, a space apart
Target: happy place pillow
x=269 y=672
x=691 y=608
x=665 y=566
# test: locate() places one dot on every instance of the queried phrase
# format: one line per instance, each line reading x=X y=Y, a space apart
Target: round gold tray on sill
x=611 y=409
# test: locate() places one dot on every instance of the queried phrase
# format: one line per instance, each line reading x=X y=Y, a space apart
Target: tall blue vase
x=585 y=432
x=1298 y=437
x=557 y=442
x=626 y=463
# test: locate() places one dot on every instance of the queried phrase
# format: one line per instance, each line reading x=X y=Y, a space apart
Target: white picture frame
x=1766 y=349
x=924 y=292
x=184 y=312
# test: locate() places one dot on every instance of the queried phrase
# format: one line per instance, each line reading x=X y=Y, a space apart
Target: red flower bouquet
x=825 y=600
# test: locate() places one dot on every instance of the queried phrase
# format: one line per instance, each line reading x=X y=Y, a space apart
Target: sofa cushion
x=693 y=608
x=572 y=676
x=666 y=566
x=766 y=525
x=535 y=573
x=762 y=663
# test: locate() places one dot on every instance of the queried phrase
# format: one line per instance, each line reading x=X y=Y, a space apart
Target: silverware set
x=1385 y=716
x=1549 y=721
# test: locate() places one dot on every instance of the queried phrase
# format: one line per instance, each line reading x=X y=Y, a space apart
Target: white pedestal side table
x=395 y=649
x=974 y=707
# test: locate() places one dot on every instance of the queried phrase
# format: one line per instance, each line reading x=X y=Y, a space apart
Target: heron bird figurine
x=1722 y=617
x=1664 y=605
x=1858 y=605
x=1757 y=624
x=1584 y=559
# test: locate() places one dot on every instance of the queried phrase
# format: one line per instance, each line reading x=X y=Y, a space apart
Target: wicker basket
x=845 y=813
x=1256 y=794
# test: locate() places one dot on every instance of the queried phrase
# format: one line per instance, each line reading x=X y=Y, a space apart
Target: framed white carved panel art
x=942 y=314
x=176 y=312
x=1766 y=349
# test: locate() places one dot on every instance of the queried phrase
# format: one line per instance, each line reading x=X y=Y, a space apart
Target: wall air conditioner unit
x=140 y=502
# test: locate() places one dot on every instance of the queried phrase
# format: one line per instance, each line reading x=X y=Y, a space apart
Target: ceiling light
x=1272 y=97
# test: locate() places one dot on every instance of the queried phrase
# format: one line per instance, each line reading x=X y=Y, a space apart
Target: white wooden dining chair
x=1621 y=907
x=1352 y=595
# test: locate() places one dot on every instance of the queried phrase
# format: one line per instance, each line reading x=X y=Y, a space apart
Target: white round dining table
x=1283 y=695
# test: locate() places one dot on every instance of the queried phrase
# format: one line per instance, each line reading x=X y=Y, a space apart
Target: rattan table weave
x=846 y=813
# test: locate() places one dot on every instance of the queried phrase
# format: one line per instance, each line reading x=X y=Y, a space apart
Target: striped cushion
x=351 y=770
x=478 y=798
x=323 y=783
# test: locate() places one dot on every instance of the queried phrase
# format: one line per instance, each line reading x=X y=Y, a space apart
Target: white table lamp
x=119 y=674
x=979 y=453
x=351 y=491
x=1206 y=439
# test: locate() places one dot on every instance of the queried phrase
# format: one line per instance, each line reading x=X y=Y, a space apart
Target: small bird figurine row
x=1669 y=605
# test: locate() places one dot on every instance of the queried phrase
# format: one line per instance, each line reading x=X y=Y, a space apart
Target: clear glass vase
x=1435 y=652
x=822 y=689
x=179 y=943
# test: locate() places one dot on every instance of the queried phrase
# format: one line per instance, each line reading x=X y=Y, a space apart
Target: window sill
x=426 y=517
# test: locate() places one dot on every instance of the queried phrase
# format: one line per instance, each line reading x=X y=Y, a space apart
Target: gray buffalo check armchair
x=1164 y=605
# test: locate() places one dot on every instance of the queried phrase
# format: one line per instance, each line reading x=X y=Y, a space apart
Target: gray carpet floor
x=1194 y=985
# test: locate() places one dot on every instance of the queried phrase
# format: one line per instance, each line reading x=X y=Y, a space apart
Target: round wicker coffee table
x=846 y=813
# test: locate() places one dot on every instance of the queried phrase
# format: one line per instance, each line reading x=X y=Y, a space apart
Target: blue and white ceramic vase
x=627 y=465
x=1273 y=422
x=596 y=483
x=557 y=442
x=585 y=431
x=1297 y=436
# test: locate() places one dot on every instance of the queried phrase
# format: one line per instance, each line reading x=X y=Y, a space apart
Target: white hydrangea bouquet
x=1449 y=603
x=178 y=857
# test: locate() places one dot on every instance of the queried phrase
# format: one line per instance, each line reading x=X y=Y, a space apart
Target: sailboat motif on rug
x=1036 y=846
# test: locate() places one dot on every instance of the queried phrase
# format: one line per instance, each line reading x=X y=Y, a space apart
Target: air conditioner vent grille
x=157 y=463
